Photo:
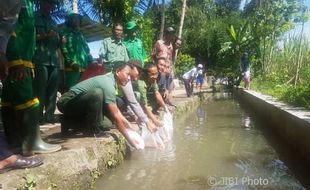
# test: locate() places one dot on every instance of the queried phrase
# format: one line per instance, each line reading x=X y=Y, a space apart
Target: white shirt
x=190 y=74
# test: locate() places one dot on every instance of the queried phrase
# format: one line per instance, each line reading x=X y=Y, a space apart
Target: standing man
x=133 y=44
x=245 y=70
x=176 y=46
x=164 y=48
x=75 y=50
x=20 y=108
x=46 y=60
x=113 y=48
x=8 y=161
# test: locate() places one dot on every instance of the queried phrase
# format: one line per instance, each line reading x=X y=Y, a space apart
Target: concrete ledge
x=292 y=124
x=76 y=166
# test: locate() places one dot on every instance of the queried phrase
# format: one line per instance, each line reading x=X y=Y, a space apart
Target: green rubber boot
x=33 y=143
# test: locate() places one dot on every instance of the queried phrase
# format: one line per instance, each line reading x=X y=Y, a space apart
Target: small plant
x=95 y=174
x=30 y=182
x=112 y=163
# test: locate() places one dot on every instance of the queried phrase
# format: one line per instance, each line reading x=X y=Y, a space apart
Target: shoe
x=22 y=163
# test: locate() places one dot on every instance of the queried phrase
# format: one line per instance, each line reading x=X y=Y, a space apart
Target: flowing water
x=216 y=146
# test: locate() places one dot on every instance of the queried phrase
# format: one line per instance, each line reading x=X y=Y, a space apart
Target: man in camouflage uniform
x=75 y=50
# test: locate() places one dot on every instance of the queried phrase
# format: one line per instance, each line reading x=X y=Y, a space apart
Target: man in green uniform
x=20 y=107
x=90 y=98
x=113 y=49
x=133 y=44
x=75 y=50
x=154 y=97
x=46 y=60
x=140 y=89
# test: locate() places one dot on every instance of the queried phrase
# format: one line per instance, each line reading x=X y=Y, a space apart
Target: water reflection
x=228 y=145
x=201 y=114
x=246 y=121
x=157 y=155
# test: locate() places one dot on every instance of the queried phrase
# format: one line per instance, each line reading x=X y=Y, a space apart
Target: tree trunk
x=75 y=6
x=181 y=26
x=162 y=24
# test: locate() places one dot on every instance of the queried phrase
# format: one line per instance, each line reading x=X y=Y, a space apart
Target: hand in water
x=151 y=127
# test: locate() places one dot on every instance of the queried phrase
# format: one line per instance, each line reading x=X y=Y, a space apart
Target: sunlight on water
x=217 y=146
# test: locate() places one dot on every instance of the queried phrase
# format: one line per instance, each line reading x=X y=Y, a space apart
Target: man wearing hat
x=20 y=108
x=163 y=48
x=75 y=50
x=46 y=60
x=133 y=44
x=189 y=77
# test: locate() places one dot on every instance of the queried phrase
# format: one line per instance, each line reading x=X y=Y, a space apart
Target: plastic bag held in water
x=151 y=140
x=166 y=132
x=136 y=138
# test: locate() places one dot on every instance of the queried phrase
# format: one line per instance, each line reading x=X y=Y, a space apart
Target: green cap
x=130 y=25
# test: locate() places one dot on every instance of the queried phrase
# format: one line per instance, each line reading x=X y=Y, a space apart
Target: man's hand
x=158 y=123
x=17 y=72
x=3 y=66
x=151 y=127
x=166 y=94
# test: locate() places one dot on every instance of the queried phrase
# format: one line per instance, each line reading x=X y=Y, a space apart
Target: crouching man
x=92 y=98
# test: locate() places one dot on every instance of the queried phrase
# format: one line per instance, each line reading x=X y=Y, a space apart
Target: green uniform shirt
x=105 y=82
x=75 y=50
x=111 y=51
x=150 y=93
x=20 y=48
x=140 y=87
x=135 y=49
x=46 y=49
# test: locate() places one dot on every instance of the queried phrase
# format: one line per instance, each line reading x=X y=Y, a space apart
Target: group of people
x=32 y=50
x=129 y=88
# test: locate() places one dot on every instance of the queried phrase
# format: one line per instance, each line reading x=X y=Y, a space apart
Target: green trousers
x=17 y=100
x=45 y=87
x=87 y=105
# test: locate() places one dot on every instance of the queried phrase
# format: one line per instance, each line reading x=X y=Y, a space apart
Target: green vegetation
x=217 y=32
x=30 y=182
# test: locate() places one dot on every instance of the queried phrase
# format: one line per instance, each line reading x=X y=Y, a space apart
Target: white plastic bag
x=166 y=132
x=136 y=138
x=152 y=140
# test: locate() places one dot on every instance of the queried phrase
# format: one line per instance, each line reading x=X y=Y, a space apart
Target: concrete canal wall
x=292 y=124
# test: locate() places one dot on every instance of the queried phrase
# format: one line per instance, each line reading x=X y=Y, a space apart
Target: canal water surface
x=215 y=146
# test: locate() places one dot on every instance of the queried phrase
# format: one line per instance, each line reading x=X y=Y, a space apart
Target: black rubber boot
x=33 y=143
x=13 y=131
